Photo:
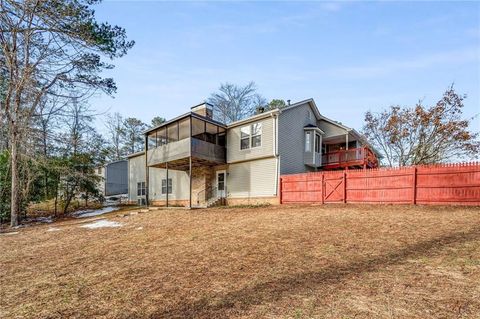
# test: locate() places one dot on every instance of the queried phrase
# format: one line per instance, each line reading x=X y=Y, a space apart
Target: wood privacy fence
x=445 y=184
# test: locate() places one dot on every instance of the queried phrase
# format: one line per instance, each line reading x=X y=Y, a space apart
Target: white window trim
x=161 y=186
x=142 y=189
x=250 y=136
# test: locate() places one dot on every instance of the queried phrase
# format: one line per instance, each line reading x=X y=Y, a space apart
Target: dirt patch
x=270 y=262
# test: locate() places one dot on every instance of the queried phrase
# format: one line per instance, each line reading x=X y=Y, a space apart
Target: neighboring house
x=193 y=160
x=114 y=178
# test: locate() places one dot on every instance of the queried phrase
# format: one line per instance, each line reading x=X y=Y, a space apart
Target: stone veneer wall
x=201 y=179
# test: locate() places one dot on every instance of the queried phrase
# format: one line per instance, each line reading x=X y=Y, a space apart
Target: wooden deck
x=362 y=157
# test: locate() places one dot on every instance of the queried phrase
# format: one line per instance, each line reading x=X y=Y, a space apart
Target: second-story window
x=256 y=134
x=317 y=143
x=245 y=137
x=251 y=136
x=308 y=142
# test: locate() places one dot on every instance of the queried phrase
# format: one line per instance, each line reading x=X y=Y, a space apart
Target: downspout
x=147 y=177
x=275 y=150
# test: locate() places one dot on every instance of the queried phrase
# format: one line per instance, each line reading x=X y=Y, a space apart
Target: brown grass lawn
x=274 y=262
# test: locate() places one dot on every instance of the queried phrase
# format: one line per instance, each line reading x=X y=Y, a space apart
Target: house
x=193 y=160
x=114 y=178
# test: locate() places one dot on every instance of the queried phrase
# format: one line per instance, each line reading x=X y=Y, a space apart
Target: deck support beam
x=190 y=182
x=146 y=172
x=166 y=167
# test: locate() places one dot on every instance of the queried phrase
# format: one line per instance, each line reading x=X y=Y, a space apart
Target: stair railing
x=207 y=193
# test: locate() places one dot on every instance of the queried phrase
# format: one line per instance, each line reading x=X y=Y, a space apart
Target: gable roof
x=309 y=101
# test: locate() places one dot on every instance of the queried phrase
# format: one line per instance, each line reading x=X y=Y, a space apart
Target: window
x=141 y=191
x=308 y=142
x=309 y=114
x=164 y=186
x=256 y=134
x=317 y=143
x=221 y=181
x=245 y=137
x=251 y=136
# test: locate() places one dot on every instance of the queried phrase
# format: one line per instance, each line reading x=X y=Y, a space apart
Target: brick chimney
x=204 y=109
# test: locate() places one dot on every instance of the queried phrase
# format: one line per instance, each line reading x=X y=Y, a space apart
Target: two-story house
x=193 y=160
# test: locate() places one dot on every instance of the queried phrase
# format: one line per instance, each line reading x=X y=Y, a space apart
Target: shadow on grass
x=272 y=291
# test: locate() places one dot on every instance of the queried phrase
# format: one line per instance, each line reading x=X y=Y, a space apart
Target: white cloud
x=331 y=6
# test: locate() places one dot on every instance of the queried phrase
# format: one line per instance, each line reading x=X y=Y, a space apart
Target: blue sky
x=349 y=56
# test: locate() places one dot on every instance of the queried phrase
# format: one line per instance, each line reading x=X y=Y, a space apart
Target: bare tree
x=233 y=102
x=423 y=135
x=115 y=135
x=50 y=48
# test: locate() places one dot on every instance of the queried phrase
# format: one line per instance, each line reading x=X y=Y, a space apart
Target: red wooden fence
x=445 y=184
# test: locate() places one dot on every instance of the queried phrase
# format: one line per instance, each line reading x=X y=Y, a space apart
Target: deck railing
x=353 y=156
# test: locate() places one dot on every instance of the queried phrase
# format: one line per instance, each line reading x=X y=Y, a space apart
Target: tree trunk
x=15 y=192
x=56 y=194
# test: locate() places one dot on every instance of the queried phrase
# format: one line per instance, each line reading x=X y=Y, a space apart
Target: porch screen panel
x=184 y=129
x=162 y=136
x=211 y=133
x=152 y=140
x=198 y=129
x=222 y=136
x=172 y=132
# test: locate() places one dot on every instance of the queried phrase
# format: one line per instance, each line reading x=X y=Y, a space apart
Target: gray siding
x=291 y=139
x=116 y=178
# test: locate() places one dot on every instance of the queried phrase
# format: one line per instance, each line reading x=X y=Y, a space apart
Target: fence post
x=414 y=195
x=323 y=188
x=281 y=190
x=344 y=186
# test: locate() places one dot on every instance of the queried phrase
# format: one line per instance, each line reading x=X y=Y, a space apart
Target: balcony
x=191 y=137
x=362 y=157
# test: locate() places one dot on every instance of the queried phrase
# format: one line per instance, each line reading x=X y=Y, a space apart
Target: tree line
x=52 y=57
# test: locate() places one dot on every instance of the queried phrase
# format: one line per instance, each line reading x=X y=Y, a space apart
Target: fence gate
x=334 y=187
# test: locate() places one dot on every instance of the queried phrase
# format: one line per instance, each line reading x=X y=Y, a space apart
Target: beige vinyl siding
x=180 y=184
x=252 y=179
x=330 y=129
x=136 y=174
x=235 y=154
x=136 y=167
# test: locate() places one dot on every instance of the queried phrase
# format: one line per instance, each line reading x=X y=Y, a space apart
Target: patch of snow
x=53 y=229
x=44 y=219
x=91 y=213
x=10 y=233
x=102 y=223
